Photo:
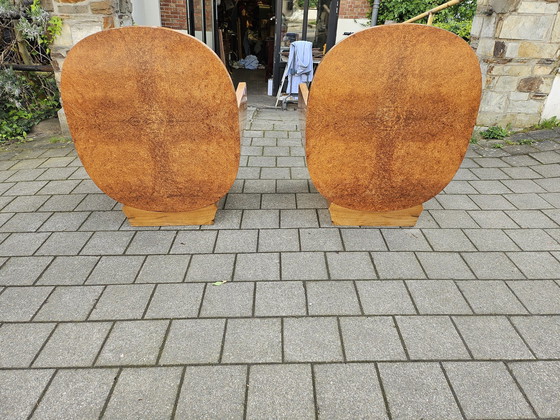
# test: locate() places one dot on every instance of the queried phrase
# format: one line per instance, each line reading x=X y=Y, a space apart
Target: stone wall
x=354 y=9
x=518 y=44
x=82 y=18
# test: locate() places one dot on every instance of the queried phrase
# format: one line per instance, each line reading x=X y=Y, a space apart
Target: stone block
x=506 y=84
x=84 y=28
x=71 y=9
x=526 y=27
x=530 y=84
x=538 y=7
x=555 y=37
x=503 y=6
x=544 y=70
x=104 y=7
x=485 y=47
x=529 y=49
x=493 y=102
x=530 y=106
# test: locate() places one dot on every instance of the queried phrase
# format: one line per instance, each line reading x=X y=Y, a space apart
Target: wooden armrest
x=303 y=97
x=241 y=95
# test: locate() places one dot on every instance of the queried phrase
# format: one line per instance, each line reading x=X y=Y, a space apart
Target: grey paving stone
x=542 y=334
x=491 y=162
x=384 y=297
x=278 y=240
x=540 y=382
x=310 y=200
x=444 y=265
x=461 y=187
x=21 y=390
x=540 y=297
x=549 y=184
x=257 y=267
x=491 y=297
x=59 y=187
x=234 y=241
x=349 y=392
x=204 y=386
x=487 y=187
x=20 y=343
x=280 y=299
x=299 y=173
x=21 y=303
x=532 y=219
x=133 y=343
x=299 y=186
x=491 y=240
x=259 y=219
x=280 y=391
x=24 y=203
x=107 y=243
x=248 y=173
x=243 y=201
x=405 y=240
x=116 y=269
x=193 y=341
x=320 y=240
x=533 y=240
x=350 y=265
x=64 y=222
x=492 y=202
x=86 y=186
x=304 y=266
x=492 y=337
x=363 y=240
x=431 y=338
x=194 y=242
x=103 y=220
x=453 y=219
x=57 y=162
x=546 y=157
x=69 y=303
x=521 y=173
x=418 y=391
x=487 y=390
x=25 y=188
x=489 y=173
x=64 y=243
x=397 y=265
x=19 y=271
x=73 y=345
x=492 y=219
x=261 y=161
x=278 y=201
x=62 y=202
x=448 y=240
x=553 y=214
x=56 y=174
x=298 y=219
x=144 y=393
x=524 y=186
x=24 y=222
x=228 y=300
x=491 y=265
x=311 y=340
x=437 y=297
x=456 y=202
x=151 y=243
x=24 y=174
x=371 y=339
x=76 y=393
x=68 y=270
x=529 y=201
x=175 y=301
x=94 y=202
x=122 y=302
x=253 y=341
x=332 y=298
x=225 y=219
x=536 y=265
x=22 y=244
x=552 y=198
x=259 y=186
x=163 y=269
x=209 y=267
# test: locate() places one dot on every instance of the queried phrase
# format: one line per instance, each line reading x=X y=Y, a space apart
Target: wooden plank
x=388 y=119
x=303 y=97
x=154 y=118
x=241 y=95
x=203 y=216
x=341 y=216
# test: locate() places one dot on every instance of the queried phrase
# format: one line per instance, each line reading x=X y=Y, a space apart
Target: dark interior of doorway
x=248 y=29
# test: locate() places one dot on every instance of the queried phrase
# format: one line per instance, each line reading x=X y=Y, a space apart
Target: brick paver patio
x=457 y=318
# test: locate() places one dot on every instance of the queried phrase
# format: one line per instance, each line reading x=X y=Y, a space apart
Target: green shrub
x=495 y=132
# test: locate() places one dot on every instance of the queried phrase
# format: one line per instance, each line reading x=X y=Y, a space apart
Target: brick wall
x=354 y=9
x=174 y=14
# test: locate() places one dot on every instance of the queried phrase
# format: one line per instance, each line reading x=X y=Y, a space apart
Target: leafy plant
x=457 y=19
x=548 y=124
x=497 y=146
x=495 y=132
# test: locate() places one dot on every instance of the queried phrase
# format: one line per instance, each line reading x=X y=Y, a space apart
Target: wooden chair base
x=203 y=216
x=342 y=216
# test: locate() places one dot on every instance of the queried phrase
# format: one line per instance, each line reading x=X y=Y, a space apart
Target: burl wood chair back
x=156 y=122
x=389 y=117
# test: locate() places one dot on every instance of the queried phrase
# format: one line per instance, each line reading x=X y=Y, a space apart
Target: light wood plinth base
x=203 y=216
x=342 y=216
